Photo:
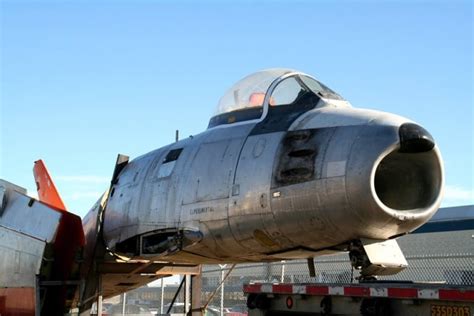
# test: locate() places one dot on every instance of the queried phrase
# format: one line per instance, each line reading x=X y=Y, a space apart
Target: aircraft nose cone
x=415 y=139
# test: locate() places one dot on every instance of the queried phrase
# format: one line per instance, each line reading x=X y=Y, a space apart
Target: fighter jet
x=287 y=169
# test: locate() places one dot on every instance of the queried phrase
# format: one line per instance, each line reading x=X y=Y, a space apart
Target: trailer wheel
x=251 y=301
x=326 y=305
x=262 y=302
x=259 y=301
x=375 y=307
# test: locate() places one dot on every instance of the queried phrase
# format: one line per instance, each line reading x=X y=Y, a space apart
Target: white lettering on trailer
x=336 y=290
x=299 y=289
x=378 y=292
x=428 y=294
x=266 y=288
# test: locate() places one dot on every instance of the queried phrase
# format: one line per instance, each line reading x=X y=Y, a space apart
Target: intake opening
x=407 y=181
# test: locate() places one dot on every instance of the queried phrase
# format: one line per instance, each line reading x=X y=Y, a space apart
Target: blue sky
x=82 y=81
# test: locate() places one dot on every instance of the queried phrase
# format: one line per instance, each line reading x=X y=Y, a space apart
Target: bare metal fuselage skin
x=271 y=190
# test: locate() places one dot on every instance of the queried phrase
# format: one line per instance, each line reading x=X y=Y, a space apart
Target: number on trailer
x=447 y=310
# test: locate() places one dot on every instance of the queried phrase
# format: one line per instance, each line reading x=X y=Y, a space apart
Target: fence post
x=162 y=295
x=222 y=287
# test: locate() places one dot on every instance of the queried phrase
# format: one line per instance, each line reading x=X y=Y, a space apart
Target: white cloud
x=84 y=179
x=456 y=195
x=80 y=195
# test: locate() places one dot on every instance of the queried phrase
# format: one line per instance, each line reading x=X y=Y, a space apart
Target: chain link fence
x=452 y=269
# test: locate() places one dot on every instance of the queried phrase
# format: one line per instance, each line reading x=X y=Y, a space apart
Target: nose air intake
x=410 y=177
x=415 y=139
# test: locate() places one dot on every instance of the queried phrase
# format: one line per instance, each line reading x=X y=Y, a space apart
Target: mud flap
x=384 y=257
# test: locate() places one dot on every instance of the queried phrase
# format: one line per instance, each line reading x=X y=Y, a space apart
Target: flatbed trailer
x=375 y=298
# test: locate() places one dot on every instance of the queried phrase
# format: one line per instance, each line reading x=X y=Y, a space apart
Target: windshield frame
x=268 y=95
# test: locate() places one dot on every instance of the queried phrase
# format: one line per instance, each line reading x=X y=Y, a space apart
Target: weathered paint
x=17 y=301
x=38 y=244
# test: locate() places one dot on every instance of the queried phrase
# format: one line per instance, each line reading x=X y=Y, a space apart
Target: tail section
x=66 y=250
x=47 y=192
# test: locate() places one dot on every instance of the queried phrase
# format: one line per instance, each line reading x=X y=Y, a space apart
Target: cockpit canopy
x=250 y=98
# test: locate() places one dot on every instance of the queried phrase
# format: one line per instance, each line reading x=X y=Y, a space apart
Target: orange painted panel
x=47 y=191
x=17 y=301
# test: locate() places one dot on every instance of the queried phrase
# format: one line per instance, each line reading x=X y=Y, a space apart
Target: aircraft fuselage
x=247 y=192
